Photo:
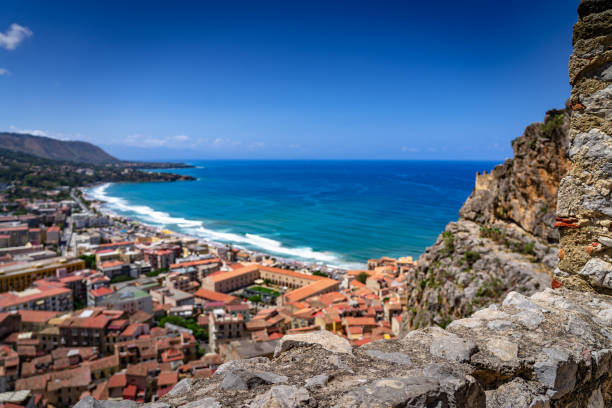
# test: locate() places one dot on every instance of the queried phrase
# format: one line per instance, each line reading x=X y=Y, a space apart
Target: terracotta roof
x=360 y=321
x=9 y=229
x=310 y=290
x=118 y=324
x=214 y=296
x=36 y=383
x=130 y=392
x=8 y=299
x=141 y=369
x=117 y=380
x=218 y=277
x=110 y=264
x=102 y=363
x=102 y=291
x=238 y=307
x=77 y=377
x=37 y=316
x=167 y=378
x=97 y=322
x=112 y=244
x=171 y=355
x=332 y=297
x=132 y=328
x=140 y=317
x=86 y=353
x=195 y=263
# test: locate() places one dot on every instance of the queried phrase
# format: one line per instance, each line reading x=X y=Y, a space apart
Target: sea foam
x=149 y=215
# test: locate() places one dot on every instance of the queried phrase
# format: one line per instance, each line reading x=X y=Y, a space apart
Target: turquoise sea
x=336 y=212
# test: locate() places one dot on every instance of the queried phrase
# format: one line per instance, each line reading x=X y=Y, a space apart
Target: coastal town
x=93 y=303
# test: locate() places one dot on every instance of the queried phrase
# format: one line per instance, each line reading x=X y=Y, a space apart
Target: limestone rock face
x=505 y=239
x=565 y=360
x=584 y=208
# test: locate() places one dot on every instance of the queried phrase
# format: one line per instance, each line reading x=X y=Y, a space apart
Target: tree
x=199 y=333
x=255 y=299
x=90 y=260
x=362 y=277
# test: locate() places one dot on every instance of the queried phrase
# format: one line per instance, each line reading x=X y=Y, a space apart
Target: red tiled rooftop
x=102 y=291
x=8 y=299
x=117 y=380
x=195 y=263
x=131 y=329
x=113 y=244
x=37 y=316
x=310 y=290
x=130 y=392
x=167 y=378
x=214 y=296
x=117 y=324
x=360 y=321
x=171 y=355
x=110 y=264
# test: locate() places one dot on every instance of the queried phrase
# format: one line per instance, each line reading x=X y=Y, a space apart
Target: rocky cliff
x=504 y=240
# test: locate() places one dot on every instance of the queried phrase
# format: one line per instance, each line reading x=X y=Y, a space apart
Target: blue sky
x=304 y=79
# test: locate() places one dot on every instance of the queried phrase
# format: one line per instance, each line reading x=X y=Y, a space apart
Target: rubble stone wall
x=584 y=204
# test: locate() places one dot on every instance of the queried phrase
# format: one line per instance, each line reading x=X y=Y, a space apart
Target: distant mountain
x=48 y=148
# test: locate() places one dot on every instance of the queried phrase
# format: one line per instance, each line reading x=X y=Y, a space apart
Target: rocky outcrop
x=504 y=240
x=523 y=190
x=551 y=349
x=584 y=208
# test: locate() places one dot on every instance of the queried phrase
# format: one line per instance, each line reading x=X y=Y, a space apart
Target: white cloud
x=181 y=138
x=4 y=71
x=35 y=132
x=182 y=141
x=175 y=141
x=14 y=36
x=47 y=133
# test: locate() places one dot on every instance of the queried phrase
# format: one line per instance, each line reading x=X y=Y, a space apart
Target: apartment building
x=19 y=276
x=129 y=299
x=224 y=327
x=88 y=328
x=42 y=297
x=173 y=297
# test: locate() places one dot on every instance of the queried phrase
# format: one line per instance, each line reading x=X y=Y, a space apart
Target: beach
x=338 y=213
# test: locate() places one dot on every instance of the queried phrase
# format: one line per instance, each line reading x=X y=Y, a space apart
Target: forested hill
x=48 y=148
x=25 y=175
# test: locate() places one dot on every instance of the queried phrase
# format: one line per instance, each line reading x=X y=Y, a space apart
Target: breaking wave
x=151 y=216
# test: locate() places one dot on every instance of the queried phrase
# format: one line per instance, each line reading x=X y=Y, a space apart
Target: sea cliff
x=504 y=240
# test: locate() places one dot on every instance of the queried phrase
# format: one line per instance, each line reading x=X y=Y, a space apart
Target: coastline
x=288 y=262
